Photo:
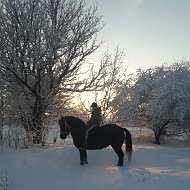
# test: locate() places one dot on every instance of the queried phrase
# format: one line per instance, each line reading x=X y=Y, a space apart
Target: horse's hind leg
x=83 y=157
x=120 y=154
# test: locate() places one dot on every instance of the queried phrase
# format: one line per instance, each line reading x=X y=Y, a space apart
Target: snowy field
x=56 y=167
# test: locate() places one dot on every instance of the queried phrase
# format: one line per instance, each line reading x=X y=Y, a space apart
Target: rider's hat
x=94 y=104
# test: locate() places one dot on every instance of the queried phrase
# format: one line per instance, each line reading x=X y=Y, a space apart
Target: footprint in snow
x=139 y=174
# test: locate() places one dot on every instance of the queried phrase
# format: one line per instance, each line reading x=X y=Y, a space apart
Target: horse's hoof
x=86 y=162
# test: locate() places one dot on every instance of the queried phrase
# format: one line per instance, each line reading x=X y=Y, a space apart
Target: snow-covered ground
x=154 y=167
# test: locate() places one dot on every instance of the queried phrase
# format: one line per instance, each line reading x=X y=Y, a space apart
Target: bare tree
x=43 y=46
x=104 y=93
x=111 y=79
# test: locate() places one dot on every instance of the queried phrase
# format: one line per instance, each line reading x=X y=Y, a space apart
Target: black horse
x=98 y=137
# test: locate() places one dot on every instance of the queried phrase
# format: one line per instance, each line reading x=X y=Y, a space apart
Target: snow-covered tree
x=158 y=97
x=43 y=46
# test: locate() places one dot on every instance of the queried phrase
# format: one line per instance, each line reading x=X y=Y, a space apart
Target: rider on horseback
x=96 y=116
x=95 y=120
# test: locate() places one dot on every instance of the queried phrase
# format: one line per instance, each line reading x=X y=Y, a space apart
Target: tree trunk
x=38 y=117
x=33 y=129
x=157 y=137
x=34 y=124
x=159 y=131
x=37 y=130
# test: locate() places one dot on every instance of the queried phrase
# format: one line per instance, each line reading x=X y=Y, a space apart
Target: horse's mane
x=76 y=119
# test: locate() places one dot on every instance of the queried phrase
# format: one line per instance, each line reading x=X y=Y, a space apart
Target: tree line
x=157 y=98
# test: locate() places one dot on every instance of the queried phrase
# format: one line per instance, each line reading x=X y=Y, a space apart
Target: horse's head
x=64 y=128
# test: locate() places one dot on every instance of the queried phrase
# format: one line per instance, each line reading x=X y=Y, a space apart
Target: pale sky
x=150 y=32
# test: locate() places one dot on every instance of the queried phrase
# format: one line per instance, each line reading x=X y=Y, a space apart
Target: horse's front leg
x=83 y=157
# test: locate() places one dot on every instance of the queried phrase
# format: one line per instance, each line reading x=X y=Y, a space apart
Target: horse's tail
x=128 y=144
